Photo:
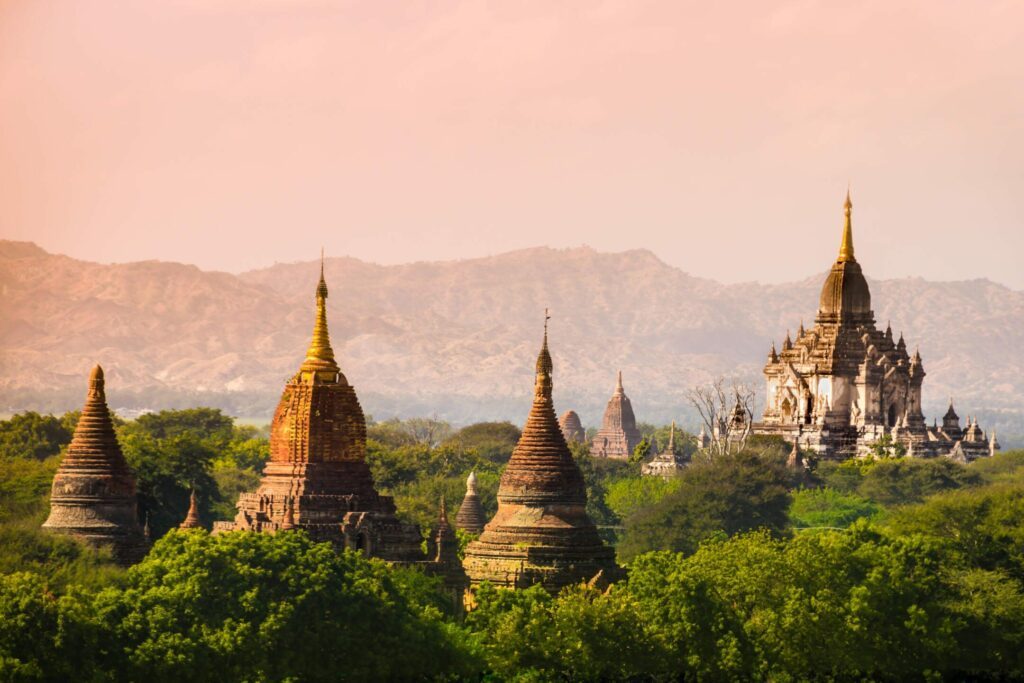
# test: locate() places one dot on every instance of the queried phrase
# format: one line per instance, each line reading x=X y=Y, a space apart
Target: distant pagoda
x=192 y=518
x=541 y=533
x=446 y=563
x=618 y=435
x=571 y=427
x=93 y=493
x=317 y=478
x=471 y=514
x=668 y=463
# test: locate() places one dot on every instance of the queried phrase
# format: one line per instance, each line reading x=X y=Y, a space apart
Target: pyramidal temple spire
x=846 y=248
x=320 y=356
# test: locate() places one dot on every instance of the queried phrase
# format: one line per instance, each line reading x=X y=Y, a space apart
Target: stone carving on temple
x=845 y=385
x=93 y=496
x=470 y=517
x=317 y=478
x=541 y=533
x=618 y=435
x=572 y=427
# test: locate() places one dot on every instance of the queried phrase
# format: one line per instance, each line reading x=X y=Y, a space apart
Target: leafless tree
x=727 y=414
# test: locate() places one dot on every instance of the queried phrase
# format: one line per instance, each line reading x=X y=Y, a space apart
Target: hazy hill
x=458 y=339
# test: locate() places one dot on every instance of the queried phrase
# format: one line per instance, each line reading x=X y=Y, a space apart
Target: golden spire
x=846 y=248
x=320 y=356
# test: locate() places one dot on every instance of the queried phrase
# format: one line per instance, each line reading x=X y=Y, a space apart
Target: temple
x=471 y=514
x=843 y=386
x=191 y=520
x=93 y=492
x=572 y=428
x=446 y=563
x=317 y=478
x=667 y=463
x=541 y=533
x=618 y=435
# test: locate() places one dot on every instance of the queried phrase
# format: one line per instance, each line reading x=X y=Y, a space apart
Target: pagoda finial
x=542 y=388
x=320 y=355
x=846 y=248
x=672 y=438
x=618 y=383
x=192 y=518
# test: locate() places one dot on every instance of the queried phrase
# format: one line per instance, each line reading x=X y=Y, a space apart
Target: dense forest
x=888 y=568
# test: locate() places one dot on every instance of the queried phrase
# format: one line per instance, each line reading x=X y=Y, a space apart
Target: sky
x=722 y=136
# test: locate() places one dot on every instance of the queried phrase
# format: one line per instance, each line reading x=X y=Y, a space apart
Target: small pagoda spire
x=788 y=343
x=671 y=448
x=846 y=248
x=320 y=355
x=470 y=517
x=801 y=332
x=618 y=384
x=192 y=518
x=542 y=387
x=773 y=355
x=146 y=532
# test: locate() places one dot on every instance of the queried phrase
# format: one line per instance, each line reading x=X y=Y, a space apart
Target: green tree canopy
x=34 y=436
x=727 y=494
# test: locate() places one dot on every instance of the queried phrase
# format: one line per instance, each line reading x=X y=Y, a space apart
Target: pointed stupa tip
x=471 y=482
x=542 y=387
x=96 y=374
x=192 y=518
x=618 y=383
x=320 y=355
x=846 y=247
x=443 y=513
x=672 y=437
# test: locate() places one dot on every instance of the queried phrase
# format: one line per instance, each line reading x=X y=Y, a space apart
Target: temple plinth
x=541 y=533
x=618 y=435
x=93 y=493
x=317 y=478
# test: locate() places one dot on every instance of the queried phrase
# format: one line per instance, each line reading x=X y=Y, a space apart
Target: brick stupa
x=93 y=493
x=541 y=533
x=618 y=435
x=317 y=478
x=572 y=427
x=471 y=513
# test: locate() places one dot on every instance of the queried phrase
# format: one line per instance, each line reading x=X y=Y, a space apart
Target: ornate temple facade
x=843 y=385
x=572 y=427
x=471 y=513
x=317 y=478
x=541 y=533
x=618 y=435
x=93 y=493
x=667 y=463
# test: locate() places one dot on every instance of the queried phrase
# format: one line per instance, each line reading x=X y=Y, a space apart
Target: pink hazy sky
x=236 y=133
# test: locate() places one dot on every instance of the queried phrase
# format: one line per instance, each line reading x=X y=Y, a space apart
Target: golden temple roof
x=846 y=247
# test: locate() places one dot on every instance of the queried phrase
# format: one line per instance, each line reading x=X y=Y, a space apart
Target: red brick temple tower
x=317 y=478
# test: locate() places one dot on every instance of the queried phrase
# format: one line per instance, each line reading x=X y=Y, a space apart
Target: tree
x=493 y=441
x=727 y=494
x=243 y=606
x=825 y=507
x=911 y=480
x=716 y=407
x=626 y=496
x=33 y=436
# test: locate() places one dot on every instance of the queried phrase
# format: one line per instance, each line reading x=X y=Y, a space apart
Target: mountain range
x=458 y=339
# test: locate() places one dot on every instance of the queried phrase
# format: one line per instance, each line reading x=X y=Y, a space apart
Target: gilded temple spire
x=320 y=356
x=846 y=248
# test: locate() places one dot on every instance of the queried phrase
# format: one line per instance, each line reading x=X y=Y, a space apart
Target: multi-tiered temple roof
x=844 y=385
x=541 y=533
x=668 y=463
x=618 y=435
x=317 y=478
x=93 y=493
